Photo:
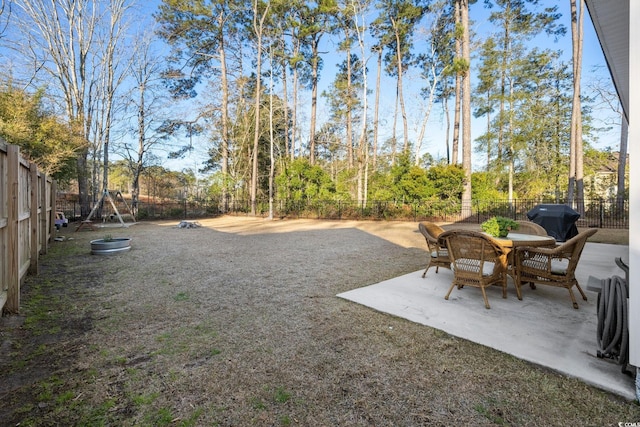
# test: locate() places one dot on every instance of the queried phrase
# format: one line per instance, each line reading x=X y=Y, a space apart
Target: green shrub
x=499 y=226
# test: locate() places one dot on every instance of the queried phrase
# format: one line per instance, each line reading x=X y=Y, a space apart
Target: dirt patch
x=236 y=323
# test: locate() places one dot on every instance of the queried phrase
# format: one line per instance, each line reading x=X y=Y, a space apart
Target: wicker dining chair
x=438 y=255
x=552 y=266
x=525 y=227
x=476 y=260
x=529 y=227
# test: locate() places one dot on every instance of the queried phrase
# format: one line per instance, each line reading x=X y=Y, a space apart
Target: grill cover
x=558 y=220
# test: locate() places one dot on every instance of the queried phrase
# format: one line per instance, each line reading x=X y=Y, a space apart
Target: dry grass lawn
x=236 y=323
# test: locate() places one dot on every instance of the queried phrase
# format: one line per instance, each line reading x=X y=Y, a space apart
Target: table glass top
x=519 y=239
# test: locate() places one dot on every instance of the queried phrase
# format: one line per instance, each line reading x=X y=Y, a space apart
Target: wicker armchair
x=552 y=266
x=529 y=227
x=525 y=227
x=438 y=254
x=477 y=260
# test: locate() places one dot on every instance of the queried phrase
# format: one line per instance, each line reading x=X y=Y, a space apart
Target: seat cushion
x=439 y=254
x=473 y=265
x=558 y=266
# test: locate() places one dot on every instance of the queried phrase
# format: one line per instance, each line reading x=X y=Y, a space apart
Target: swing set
x=100 y=206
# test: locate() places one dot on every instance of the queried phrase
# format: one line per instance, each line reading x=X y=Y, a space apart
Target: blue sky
x=593 y=67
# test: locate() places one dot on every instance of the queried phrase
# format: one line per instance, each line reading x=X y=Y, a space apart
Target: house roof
x=610 y=164
x=611 y=21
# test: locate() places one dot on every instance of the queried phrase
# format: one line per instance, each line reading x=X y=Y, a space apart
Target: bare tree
x=5 y=15
x=74 y=42
x=358 y=10
x=147 y=102
x=602 y=89
x=432 y=73
x=112 y=70
x=260 y=13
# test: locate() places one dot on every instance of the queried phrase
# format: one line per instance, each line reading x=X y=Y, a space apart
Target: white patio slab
x=543 y=328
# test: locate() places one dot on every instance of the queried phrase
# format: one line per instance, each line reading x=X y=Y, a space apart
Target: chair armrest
x=558 y=252
x=555 y=252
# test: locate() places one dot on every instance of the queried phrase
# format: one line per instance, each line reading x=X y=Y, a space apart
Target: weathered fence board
x=27 y=220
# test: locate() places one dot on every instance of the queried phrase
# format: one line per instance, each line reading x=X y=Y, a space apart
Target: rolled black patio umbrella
x=558 y=220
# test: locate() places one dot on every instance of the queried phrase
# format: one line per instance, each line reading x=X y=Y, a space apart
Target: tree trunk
x=363 y=145
x=425 y=119
x=271 y=156
x=576 y=184
x=224 y=149
x=400 y=71
x=349 y=139
x=466 y=109
x=294 y=114
x=503 y=93
x=579 y=142
x=622 y=161
x=135 y=190
x=314 y=102
x=258 y=26
x=447 y=116
x=377 y=110
x=394 y=139
x=457 y=109
x=511 y=145
x=294 y=97
x=488 y=132
x=285 y=105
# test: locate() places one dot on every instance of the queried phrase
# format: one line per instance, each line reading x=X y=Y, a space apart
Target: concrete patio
x=543 y=328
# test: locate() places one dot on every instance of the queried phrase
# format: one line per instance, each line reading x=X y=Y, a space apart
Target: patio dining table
x=514 y=240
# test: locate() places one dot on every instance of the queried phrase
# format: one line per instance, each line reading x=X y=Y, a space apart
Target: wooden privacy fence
x=27 y=222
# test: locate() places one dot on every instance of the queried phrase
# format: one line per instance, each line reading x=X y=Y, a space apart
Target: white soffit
x=611 y=21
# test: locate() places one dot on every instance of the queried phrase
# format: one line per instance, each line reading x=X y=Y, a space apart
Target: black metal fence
x=600 y=213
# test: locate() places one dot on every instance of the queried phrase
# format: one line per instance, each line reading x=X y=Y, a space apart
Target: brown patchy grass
x=236 y=323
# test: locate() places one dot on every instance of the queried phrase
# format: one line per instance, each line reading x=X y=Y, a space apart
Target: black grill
x=558 y=220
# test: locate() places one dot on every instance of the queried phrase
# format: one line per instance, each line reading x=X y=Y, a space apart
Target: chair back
x=438 y=254
x=471 y=250
x=430 y=230
x=529 y=227
x=431 y=233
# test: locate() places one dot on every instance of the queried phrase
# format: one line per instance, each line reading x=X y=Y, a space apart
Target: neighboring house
x=603 y=184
